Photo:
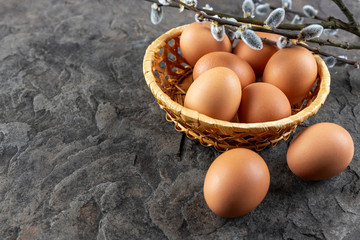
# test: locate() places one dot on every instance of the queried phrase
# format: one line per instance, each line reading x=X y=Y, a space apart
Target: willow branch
x=175 y=4
x=239 y=19
x=281 y=30
x=292 y=35
x=347 y=12
x=332 y=43
x=330 y=22
x=326 y=54
x=296 y=12
x=317 y=51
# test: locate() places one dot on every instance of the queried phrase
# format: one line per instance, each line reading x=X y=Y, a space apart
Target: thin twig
x=326 y=54
x=331 y=22
x=347 y=12
x=295 y=12
x=332 y=43
x=316 y=51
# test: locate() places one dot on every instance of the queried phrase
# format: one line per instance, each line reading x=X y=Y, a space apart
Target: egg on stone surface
x=257 y=58
x=215 y=93
x=236 y=182
x=263 y=102
x=293 y=70
x=196 y=40
x=320 y=151
x=224 y=59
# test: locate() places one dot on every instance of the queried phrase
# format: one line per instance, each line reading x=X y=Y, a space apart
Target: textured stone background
x=86 y=153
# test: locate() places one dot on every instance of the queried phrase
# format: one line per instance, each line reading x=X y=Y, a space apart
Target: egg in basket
x=171 y=80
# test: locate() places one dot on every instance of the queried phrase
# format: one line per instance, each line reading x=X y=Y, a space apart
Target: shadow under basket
x=168 y=77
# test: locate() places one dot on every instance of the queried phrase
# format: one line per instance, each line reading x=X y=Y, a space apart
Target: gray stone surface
x=86 y=153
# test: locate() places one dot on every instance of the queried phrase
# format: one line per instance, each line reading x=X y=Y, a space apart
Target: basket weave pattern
x=168 y=77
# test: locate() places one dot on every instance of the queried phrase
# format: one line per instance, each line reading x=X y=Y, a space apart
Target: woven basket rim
x=195 y=116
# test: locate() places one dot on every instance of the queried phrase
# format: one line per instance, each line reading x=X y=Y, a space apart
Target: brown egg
x=196 y=40
x=236 y=182
x=257 y=58
x=224 y=59
x=216 y=93
x=293 y=70
x=320 y=151
x=263 y=102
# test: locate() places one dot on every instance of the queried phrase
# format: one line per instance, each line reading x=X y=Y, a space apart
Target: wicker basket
x=168 y=77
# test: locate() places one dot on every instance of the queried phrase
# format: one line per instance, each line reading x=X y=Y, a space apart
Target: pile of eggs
x=252 y=86
x=243 y=84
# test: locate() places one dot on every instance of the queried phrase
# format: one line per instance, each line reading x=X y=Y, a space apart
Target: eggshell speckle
x=293 y=70
x=320 y=151
x=236 y=182
x=224 y=59
x=215 y=93
x=263 y=102
x=196 y=40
